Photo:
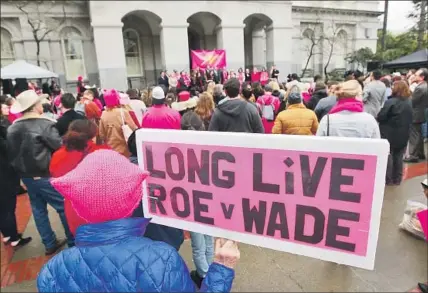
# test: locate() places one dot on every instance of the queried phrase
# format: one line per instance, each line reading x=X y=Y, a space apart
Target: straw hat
x=185 y=102
x=349 y=89
x=26 y=100
x=425 y=183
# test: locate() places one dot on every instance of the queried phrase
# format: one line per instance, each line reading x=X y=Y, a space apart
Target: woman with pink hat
x=111 y=255
x=114 y=122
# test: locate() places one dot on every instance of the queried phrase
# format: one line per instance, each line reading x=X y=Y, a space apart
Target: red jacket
x=64 y=161
x=268 y=100
x=161 y=117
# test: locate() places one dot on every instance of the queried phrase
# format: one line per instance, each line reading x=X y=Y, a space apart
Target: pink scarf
x=347 y=104
x=186 y=79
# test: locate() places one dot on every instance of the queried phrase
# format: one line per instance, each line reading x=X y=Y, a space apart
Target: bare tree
x=41 y=25
x=309 y=33
x=330 y=37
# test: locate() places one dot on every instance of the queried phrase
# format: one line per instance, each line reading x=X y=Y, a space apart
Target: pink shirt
x=161 y=117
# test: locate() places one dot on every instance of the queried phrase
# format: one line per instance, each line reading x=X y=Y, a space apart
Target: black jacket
x=236 y=115
x=420 y=102
x=9 y=179
x=31 y=141
x=316 y=97
x=394 y=122
x=65 y=120
x=164 y=81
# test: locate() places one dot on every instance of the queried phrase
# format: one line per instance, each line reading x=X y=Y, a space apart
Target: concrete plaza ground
x=401 y=260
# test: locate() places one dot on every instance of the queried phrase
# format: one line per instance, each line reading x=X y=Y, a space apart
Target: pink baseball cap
x=112 y=193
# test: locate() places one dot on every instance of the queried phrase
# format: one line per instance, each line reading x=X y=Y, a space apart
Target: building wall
x=162 y=29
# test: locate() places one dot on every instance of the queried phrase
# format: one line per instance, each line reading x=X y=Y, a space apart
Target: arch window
x=72 y=47
x=131 y=41
x=7 y=53
x=309 y=42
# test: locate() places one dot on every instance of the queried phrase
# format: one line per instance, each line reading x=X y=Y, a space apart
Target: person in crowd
x=419 y=105
x=80 y=86
x=5 y=112
x=159 y=115
x=394 y=120
x=163 y=79
x=48 y=111
x=296 y=119
x=247 y=75
x=258 y=90
x=274 y=73
x=324 y=105
x=218 y=94
x=87 y=107
x=264 y=77
x=235 y=115
x=170 y=99
x=12 y=116
x=269 y=106
x=137 y=104
x=146 y=97
x=156 y=232
x=45 y=89
x=320 y=92
x=388 y=90
x=247 y=94
x=347 y=118
x=111 y=232
x=125 y=103
x=374 y=94
x=241 y=75
x=205 y=108
x=185 y=103
x=9 y=186
x=77 y=143
x=202 y=245
x=255 y=75
x=31 y=140
x=112 y=121
x=295 y=81
x=224 y=75
x=210 y=87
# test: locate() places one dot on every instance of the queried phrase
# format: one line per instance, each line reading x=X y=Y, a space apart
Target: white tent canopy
x=23 y=69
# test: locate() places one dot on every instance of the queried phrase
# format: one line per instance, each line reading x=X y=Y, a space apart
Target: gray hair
x=218 y=90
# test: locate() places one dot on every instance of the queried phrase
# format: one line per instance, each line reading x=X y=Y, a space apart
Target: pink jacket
x=268 y=100
x=161 y=117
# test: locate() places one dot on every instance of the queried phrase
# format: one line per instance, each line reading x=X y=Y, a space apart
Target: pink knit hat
x=112 y=193
x=111 y=98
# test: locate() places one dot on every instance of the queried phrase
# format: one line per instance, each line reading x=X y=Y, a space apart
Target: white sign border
x=360 y=146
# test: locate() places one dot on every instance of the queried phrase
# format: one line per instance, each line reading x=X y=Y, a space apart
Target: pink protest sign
x=423 y=218
x=294 y=194
x=208 y=58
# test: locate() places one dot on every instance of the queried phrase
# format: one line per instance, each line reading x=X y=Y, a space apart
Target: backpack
x=268 y=111
x=80 y=108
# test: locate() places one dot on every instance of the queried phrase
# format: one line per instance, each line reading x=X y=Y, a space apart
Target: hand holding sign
x=226 y=252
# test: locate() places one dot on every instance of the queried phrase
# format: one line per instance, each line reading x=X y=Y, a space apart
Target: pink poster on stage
x=208 y=58
x=308 y=199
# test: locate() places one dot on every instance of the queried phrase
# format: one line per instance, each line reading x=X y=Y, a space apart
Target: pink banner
x=315 y=199
x=208 y=58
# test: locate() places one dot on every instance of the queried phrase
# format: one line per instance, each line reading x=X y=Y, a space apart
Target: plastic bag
x=410 y=222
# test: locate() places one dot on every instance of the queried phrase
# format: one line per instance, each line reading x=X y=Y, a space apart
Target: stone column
x=279 y=51
x=231 y=39
x=174 y=47
x=108 y=39
x=259 y=44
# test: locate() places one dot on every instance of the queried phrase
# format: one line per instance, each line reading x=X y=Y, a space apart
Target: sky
x=397 y=15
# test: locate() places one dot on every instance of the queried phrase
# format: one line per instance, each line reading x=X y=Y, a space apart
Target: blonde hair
x=205 y=106
x=210 y=87
x=274 y=85
x=146 y=96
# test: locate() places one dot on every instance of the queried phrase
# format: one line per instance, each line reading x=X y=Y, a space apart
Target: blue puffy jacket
x=114 y=257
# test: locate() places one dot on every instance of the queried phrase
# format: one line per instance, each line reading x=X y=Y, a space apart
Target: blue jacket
x=114 y=257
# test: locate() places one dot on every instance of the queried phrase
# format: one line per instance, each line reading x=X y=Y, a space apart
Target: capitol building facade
x=116 y=44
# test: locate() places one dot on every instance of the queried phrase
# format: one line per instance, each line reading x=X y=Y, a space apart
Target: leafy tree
x=397 y=45
x=360 y=57
x=420 y=14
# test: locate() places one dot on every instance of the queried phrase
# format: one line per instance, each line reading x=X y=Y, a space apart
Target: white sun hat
x=26 y=100
x=425 y=183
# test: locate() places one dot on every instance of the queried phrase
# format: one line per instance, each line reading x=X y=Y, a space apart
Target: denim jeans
x=42 y=193
x=202 y=251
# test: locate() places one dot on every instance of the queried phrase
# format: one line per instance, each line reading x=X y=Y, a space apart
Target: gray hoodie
x=236 y=115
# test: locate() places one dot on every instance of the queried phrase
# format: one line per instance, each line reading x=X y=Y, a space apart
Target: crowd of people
x=66 y=150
